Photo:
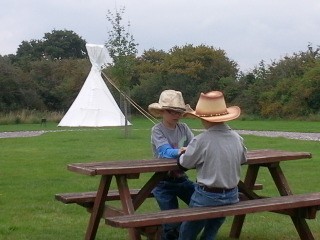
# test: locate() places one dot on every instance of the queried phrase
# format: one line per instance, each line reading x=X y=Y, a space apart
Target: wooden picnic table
x=124 y=170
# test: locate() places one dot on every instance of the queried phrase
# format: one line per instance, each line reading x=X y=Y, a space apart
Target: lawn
x=33 y=169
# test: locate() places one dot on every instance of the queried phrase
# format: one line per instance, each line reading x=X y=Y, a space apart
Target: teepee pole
x=126 y=127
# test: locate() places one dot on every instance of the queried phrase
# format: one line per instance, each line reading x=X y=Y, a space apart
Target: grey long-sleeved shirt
x=217 y=155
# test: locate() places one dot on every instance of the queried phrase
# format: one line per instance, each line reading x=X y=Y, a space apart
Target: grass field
x=33 y=169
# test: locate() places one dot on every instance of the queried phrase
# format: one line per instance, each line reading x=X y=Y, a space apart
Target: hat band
x=178 y=108
x=213 y=115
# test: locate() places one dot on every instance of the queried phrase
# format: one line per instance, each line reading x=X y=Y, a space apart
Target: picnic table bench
x=86 y=199
x=298 y=207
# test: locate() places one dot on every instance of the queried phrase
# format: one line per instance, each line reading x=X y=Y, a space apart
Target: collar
x=219 y=127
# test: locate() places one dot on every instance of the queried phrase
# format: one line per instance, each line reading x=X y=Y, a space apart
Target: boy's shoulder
x=156 y=126
x=182 y=124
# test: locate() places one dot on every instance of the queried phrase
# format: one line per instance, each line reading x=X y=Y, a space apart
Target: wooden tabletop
x=262 y=156
x=124 y=167
x=270 y=155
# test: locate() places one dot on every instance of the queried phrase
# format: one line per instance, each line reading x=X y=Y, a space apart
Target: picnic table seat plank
x=113 y=195
x=89 y=197
x=78 y=197
x=311 y=200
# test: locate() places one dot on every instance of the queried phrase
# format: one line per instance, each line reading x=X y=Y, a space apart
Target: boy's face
x=171 y=116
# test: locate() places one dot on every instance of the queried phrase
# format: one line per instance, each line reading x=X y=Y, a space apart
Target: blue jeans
x=167 y=193
x=190 y=230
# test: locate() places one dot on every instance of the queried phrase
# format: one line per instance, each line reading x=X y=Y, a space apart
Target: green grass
x=33 y=169
x=139 y=122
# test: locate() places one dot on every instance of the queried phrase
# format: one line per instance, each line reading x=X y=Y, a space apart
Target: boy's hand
x=182 y=150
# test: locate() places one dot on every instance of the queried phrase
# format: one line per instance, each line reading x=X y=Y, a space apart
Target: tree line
x=48 y=74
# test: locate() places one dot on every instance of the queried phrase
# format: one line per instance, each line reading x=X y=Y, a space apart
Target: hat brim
x=232 y=113
x=155 y=109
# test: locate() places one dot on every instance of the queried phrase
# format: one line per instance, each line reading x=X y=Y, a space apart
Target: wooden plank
x=192 y=214
x=124 y=167
x=88 y=197
x=81 y=168
x=257 y=186
x=262 y=156
x=126 y=203
x=98 y=207
x=79 y=197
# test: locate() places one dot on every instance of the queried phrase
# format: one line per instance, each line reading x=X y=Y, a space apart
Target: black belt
x=216 y=190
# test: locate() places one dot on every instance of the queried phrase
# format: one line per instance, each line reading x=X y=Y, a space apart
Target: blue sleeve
x=166 y=151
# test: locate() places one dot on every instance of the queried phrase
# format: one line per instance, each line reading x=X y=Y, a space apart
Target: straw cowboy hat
x=169 y=100
x=211 y=107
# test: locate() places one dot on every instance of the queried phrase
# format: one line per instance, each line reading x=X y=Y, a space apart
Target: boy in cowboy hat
x=217 y=155
x=169 y=139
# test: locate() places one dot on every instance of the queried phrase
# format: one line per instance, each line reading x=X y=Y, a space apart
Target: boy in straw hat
x=169 y=139
x=217 y=155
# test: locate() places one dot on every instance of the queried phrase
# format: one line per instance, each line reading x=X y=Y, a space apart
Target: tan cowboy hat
x=211 y=107
x=169 y=100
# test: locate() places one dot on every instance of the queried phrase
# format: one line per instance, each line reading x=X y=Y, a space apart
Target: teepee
x=94 y=105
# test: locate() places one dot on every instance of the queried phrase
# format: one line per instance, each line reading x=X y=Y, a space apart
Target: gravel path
x=21 y=134
x=290 y=135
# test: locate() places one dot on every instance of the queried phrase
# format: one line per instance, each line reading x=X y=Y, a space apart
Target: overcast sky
x=248 y=30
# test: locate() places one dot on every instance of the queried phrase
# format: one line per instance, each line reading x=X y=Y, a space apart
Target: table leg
x=280 y=180
x=147 y=188
x=98 y=207
x=246 y=188
x=302 y=228
x=284 y=189
x=126 y=202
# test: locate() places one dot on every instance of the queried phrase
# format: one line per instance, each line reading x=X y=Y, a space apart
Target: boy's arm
x=192 y=155
x=180 y=166
x=166 y=151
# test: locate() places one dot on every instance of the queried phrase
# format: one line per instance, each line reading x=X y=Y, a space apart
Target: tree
x=30 y=51
x=196 y=69
x=57 y=45
x=59 y=82
x=287 y=88
x=63 y=44
x=189 y=69
x=16 y=89
x=311 y=85
x=122 y=49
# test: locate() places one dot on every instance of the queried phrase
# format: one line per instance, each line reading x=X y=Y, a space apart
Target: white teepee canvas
x=94 y=105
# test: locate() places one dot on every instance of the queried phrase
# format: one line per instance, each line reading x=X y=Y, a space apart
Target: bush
x=29 y=116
